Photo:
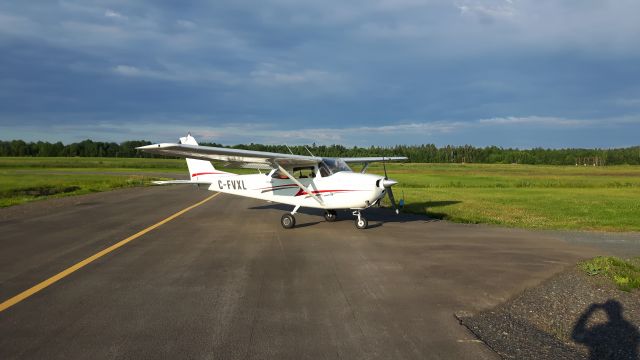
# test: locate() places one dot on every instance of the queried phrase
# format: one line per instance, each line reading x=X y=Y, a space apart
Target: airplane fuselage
x=342 y=190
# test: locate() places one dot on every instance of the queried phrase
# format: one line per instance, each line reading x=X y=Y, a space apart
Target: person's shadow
x=615 y=339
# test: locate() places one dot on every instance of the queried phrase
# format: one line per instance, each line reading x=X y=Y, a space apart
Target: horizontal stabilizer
x=173 y=182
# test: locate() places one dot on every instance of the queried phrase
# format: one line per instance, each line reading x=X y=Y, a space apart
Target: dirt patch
x=570 y=316
x=51 y=205
x=44 y=190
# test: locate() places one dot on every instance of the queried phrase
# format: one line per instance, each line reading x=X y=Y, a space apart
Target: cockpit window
x=297 y=172
x=277 y=174
x=333 y=166
x=324 y=169
x=304 y=172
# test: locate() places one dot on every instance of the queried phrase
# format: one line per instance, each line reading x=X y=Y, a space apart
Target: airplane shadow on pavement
x=615 y=339
x=428 y=205
x=377 y=216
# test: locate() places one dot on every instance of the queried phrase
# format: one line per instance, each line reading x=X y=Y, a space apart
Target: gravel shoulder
x=569 y=316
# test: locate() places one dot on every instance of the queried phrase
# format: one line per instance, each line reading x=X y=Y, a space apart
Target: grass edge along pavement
x=625 y=274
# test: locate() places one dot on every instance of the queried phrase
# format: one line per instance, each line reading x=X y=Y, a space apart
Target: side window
x=299 y=173
x=278 y=175
x=324 y=170
x=303 y=172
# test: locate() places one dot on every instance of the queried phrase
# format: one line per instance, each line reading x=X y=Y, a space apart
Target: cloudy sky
x=525 y=73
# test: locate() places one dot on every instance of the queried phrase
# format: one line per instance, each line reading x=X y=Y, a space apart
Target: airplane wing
x=373 y=159
x=237 y=156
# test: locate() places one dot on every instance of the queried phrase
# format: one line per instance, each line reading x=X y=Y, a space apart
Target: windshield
x=335 y=165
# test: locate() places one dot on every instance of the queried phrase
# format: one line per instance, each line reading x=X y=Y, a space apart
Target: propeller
x=388 y=184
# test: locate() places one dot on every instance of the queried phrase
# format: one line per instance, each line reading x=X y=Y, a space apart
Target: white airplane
x=297 y=180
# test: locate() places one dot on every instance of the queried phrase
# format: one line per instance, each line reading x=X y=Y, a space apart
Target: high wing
x=249 y=158
x=234 y=156
x=373 y=159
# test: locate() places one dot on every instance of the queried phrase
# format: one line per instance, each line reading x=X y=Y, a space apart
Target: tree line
x=429 y=153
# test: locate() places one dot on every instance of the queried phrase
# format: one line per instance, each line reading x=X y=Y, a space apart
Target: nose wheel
x=361 y=221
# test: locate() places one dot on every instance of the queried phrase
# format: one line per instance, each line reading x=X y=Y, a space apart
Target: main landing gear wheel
x=361 y=223
x=330 y=215
x=288 y=221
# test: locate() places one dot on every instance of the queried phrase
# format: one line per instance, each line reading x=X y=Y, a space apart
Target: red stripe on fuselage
x=207 y=173
x=302 y=192
x=278 y=187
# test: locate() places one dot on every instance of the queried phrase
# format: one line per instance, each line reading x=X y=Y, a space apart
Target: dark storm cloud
x=361 y=72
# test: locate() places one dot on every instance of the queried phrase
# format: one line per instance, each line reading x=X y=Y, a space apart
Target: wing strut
x=304 y=188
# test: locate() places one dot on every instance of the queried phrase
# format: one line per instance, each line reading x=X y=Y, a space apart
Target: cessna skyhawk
x=297 y=180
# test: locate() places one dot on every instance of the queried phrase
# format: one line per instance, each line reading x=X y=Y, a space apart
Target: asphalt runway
x=226 y=281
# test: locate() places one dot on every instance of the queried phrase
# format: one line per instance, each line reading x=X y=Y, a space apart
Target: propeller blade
x=388 y=184
x=393 y=200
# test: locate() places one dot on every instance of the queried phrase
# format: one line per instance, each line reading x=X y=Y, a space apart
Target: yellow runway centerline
x=25 y=294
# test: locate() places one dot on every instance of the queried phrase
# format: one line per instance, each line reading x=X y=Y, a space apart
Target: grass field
x=89 y=163
x=541 y=197
x=28 y=179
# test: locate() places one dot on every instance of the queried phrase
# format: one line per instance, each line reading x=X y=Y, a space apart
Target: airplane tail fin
x=199 y=169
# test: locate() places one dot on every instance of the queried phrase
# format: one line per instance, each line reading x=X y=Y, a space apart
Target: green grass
x=18 y=188
x=25 y=179
x=113 y=164
x=625 y=274
x=525 y=196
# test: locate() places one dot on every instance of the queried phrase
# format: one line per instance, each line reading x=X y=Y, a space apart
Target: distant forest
x=428 y=153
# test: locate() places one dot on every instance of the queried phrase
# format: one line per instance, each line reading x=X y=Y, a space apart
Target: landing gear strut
x=330 y=215
x=361 y=222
